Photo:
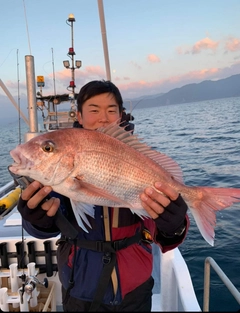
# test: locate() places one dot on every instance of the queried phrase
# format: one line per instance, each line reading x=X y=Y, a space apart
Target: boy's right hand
x=35 y=207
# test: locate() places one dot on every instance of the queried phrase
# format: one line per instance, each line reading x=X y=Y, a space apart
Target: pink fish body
x=111 y=167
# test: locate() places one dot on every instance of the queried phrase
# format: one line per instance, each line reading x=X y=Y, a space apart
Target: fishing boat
x=28 y=268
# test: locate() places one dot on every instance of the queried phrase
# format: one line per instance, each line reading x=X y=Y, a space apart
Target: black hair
x=97 y=87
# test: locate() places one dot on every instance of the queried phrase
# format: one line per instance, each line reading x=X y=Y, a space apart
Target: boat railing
x=6 y=188
x=206 y=295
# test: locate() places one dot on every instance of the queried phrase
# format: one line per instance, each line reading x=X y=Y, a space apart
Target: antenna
x=27 y=27
x=54 y=90
x=66 y=64
x=54 y=81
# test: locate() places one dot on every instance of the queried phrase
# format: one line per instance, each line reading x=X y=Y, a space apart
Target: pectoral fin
x=80 y=210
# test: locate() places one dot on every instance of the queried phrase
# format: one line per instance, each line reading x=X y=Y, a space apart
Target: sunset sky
x=154 y=45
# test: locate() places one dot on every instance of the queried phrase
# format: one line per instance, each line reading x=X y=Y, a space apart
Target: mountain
x=206 y=90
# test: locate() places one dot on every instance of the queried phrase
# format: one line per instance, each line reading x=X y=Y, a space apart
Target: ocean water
x=204 y=139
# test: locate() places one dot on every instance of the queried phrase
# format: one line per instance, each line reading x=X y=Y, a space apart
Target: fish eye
x=48 y=146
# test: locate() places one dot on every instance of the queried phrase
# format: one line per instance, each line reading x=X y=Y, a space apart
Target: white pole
x=14 y=280
x=104 y=38
x=3 y=299
x=31 y=93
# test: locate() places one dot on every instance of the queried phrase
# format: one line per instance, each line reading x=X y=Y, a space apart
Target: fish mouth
x=20 y=162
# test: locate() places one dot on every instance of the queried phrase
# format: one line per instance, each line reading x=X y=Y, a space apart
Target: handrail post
x=206 y=289
x=233 y=290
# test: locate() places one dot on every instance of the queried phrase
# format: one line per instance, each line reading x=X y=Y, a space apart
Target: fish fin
x=166 y=162
x=80 y=210
x=140 y=212
x=204 y=207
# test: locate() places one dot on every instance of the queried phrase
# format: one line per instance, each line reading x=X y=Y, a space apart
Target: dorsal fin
x=115 y=131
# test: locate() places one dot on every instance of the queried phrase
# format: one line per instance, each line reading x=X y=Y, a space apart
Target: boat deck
x=11 y=230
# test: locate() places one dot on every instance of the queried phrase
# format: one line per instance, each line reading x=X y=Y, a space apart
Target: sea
x=204 y=139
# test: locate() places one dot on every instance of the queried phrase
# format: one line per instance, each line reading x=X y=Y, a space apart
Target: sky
x=154 y=45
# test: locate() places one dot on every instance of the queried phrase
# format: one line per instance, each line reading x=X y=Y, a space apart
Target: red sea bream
x=111 y=167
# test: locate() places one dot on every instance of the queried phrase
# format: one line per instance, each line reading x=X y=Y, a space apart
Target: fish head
x=47 y=158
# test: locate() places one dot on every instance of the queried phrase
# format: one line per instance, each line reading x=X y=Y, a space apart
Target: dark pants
x=138 y=300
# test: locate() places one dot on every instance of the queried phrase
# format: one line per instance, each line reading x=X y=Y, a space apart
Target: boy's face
x=99 y=111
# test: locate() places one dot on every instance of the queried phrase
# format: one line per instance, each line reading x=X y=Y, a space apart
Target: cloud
x=199 y=46
x=180 y=50
x=94 y=70
x=152 y=58
x=62 y=80
x=128 y=88
x=14 y=85
x=204 y=44
x=141 y=88
x=136 y=65
x=232 y=45
x=82 y=76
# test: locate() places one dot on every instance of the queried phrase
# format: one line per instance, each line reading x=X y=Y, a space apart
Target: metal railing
x=210 y=261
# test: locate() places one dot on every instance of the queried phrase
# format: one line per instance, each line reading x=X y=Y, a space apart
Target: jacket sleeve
x=167 y=244
x=40 y=232
x=37 y=233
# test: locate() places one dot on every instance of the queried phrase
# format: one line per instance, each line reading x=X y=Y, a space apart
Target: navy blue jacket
x=135 y=261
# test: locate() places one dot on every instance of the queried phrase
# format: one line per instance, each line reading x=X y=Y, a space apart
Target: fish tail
x=204 y=207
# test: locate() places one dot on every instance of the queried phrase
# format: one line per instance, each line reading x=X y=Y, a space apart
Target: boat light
x=72 y=114
x=78 y=63
x=66 y=64
x=72 y=84
x=71 y=51
x=71 y=18
x=40 y=81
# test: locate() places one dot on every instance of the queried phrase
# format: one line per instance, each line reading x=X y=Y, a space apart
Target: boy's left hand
x=166 y=207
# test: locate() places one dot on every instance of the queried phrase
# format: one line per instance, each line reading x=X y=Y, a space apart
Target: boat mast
x=72 y=67
x=104 y=38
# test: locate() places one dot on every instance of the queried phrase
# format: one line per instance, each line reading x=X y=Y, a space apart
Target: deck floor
x=156 y=303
